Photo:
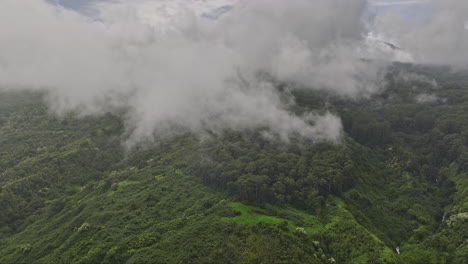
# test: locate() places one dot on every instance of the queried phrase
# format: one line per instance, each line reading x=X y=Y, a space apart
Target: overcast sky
x=407 y=7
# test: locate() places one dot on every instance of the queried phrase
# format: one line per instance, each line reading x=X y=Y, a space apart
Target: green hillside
x=71 y=193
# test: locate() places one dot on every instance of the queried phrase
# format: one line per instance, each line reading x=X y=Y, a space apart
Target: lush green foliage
x=69 y=193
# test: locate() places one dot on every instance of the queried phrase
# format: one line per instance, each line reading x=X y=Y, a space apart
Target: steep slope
x=69 y=192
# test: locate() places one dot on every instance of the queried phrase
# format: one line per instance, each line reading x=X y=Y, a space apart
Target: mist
x=173 y=70
x=440 y=38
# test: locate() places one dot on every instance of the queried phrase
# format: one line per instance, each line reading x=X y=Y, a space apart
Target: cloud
x=441 y=39
x=428 y=99
x=173 y=70
x=397 y=3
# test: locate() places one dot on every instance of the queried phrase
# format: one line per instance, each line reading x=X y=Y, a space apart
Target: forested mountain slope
x=70 y=193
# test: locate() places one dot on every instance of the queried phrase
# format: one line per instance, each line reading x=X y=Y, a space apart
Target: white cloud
x=175 y=70
x=428 y=99
x=397 y=3
x=441 y=39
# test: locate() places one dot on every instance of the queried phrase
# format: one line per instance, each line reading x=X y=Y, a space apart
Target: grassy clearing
x=120 y=186
x=253 y=215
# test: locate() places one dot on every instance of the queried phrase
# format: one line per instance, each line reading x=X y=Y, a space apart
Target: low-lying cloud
x=173 y=69
x=425 y=98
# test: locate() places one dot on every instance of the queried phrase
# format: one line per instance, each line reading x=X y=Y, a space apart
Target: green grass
x=120 y=186
x=248 y=215
x=254 y=215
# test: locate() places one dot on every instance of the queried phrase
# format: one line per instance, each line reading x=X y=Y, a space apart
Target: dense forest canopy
x=71 y=192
